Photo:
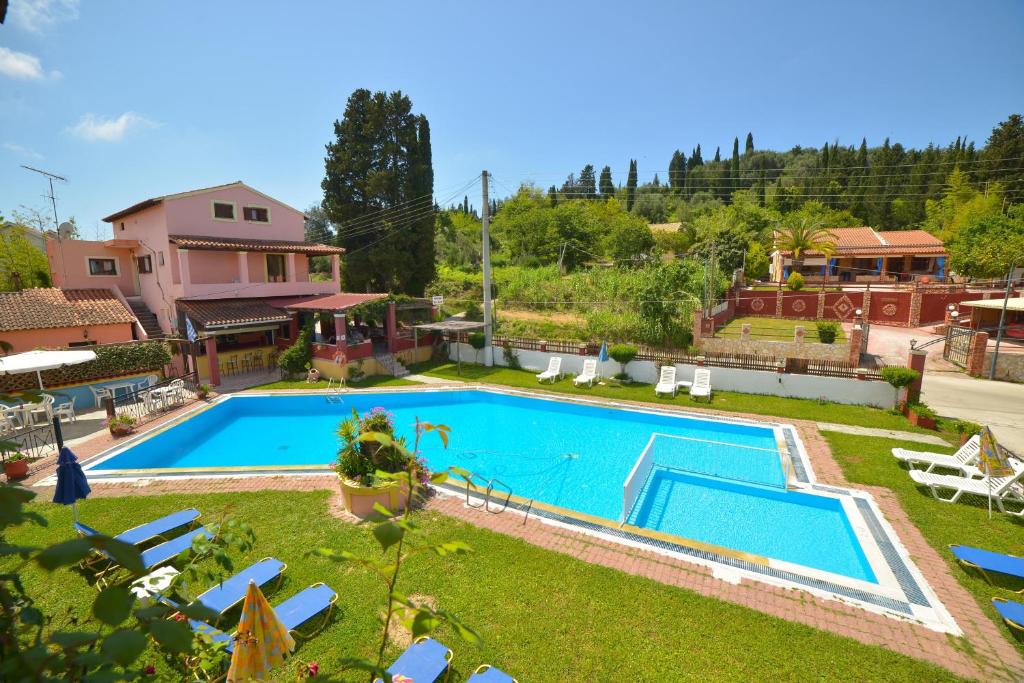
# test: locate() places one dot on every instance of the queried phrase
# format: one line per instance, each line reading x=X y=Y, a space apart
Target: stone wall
x=1010 y=367
x=839 y=351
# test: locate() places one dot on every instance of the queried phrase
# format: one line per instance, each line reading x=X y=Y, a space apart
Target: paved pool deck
x=983 y=653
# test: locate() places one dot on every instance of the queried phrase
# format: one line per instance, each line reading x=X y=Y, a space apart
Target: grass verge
x=366 y=382
x=773 y=329
x=544 y=616
x=867 y=460
x=756 y=404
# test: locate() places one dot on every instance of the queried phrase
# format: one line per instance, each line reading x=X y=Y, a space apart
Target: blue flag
x=190 y=331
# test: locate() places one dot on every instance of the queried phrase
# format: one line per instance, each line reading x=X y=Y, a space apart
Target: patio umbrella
x=261 y=641
x=39 y=360
x=71 y=481
x=602 y=355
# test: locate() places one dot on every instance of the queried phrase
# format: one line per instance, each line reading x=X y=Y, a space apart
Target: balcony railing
x=231 y=290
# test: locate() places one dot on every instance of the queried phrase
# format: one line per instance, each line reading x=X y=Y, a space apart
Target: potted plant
x=966 y=429
x=360 y=459
x=121 y=425
x=900 y=378
x=203 y=391
x=921 y=415
x=15 y=465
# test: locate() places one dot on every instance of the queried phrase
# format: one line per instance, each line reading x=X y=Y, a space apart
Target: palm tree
x=803 y=235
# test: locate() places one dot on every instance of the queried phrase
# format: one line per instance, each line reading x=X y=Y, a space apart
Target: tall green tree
x=605 y=184
x=734 y=166
x=748 y=148
x=22 y=264
x=318 y=226
x=631 y=185
x=677 y=171
x=1003 y=157
x=378 y=191
x=587 y=183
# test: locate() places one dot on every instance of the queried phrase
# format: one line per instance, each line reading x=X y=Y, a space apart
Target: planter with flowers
x=15 y=465
x=121 y=425
x=203 y=392
x=921 y=415
x=359 y=460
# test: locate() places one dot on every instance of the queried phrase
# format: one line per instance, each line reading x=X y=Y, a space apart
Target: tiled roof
x=214 y=313
x=328 y=302
x=868 y=242
x=240 y=244
x=154 y=201
x=47 y=308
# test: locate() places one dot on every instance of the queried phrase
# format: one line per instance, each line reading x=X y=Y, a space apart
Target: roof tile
x=204 y=242
x=49 y=307
x=231 y=312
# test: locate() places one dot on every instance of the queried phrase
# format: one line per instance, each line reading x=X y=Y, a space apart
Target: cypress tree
x=587 y=184
x=605 y=184
x=631 y=185
x=718 y=154
x=749 y=147
x=553 y=196
x=734 y=167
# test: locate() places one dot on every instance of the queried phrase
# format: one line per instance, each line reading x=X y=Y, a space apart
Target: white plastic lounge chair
x=667 y=381
x=701 y=383
x=554 y=370
x=965 y=459
x=1001 y=489
x=589 y=374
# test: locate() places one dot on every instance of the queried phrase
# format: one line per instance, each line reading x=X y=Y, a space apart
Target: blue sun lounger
x=486 y=673
x=152 y=557
x=988 y=561
x=150 y=530
x=231 y=591
x=1011 y=612
x=424 y=661
x=293 y=613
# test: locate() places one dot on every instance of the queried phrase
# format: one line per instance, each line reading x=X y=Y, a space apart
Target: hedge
x=112 y=360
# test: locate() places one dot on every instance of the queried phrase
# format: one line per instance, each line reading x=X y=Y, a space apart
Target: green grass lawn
x=772 y=329
x=869 y=461
x=544 y=616
x=775 y=406
x=366 y=382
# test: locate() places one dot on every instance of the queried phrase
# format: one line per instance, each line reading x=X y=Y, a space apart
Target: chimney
x=16 y=280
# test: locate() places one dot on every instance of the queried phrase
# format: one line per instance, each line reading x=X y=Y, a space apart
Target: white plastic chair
x=554 y=370
x=667 y=381
x=100 y=394
x=964 y=460
x=589 y=374
x=43 y=409
x=701 y=383
x=65 y=410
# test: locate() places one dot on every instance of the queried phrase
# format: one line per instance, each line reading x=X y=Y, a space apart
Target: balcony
x=232 y=290
x=229 y=274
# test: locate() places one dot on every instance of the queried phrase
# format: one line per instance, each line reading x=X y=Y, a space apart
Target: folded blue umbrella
x=71 y=482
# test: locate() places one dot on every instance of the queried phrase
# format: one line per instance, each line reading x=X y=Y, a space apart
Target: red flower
x=150 y=670
x=313 y=668
x=178 y=616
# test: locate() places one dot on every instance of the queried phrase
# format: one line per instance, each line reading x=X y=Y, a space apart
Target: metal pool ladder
x=500 y=506
x=334 y=392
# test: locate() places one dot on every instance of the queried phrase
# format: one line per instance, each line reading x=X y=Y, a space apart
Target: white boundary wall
x=836 y=389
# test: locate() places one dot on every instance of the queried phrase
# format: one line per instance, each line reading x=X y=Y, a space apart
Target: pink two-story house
x=219 y=256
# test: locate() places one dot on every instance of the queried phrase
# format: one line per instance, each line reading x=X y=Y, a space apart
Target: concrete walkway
x=1000 y=405
x=427 y=379
x=882 y=433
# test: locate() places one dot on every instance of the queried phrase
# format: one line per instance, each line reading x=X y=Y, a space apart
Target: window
x=921 y=264
x=145 y=264
x=122 y=225
x=102 y=266
x=72 y=345
x=275 y=268
x=256 y=214
x=224 y=211
x=285 y=331
x=161 y=255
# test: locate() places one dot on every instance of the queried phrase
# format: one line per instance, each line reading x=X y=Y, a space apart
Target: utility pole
x=1002 y=320
x=485 y=229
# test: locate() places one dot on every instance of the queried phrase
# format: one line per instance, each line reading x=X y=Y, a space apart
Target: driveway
x=999 y=405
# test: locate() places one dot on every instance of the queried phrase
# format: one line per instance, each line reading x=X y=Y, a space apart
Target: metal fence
x=35 y=442
x=146 y=404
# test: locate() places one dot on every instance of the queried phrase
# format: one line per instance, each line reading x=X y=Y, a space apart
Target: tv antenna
x=50 y=177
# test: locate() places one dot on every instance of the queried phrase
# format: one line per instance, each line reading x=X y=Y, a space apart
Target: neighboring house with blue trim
x=867 y=255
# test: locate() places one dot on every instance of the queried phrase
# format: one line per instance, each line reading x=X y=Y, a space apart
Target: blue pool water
x=568 y=455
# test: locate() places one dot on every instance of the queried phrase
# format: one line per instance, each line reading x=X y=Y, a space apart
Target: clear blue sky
x=130 y=100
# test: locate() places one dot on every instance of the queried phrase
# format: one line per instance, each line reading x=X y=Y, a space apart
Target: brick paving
x=984 y=652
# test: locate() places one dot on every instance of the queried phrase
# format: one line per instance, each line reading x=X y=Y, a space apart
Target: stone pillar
x=778 y=302
x=243 y=267
x=799 y=333
x=745 y=332
x=698 y=324
x=976 y=355
x=856 y=339
x=821 y=304
x=915 y=361
x=339 y=333
x=392 y=325
x=866 y=306
x=915 y=306
x=211 y=358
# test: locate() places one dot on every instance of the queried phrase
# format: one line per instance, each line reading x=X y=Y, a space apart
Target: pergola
x=455 y=325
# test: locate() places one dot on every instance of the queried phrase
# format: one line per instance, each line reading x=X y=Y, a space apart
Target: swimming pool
x=561 y=454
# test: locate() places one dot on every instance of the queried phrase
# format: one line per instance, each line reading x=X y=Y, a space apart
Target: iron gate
x=958 y=344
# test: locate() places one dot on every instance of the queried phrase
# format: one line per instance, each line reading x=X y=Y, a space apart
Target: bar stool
x=233 y=365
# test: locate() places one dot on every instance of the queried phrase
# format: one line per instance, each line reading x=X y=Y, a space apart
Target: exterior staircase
x=391 y=364
x=146 y=317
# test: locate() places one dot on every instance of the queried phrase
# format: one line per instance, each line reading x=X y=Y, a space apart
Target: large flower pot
x=359 y=499
x=117 y=431
x=16 y=469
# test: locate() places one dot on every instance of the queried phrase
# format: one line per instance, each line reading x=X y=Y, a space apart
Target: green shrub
x=622 y=353
x=899 y=376
x=356 y=372
x=962 y=427
x=827 y=331
x=795 y=281
x=296 y=358
x=474 y=312
x=921 y=410
x=360 y=460
x=477 y=340
x=511 y=357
